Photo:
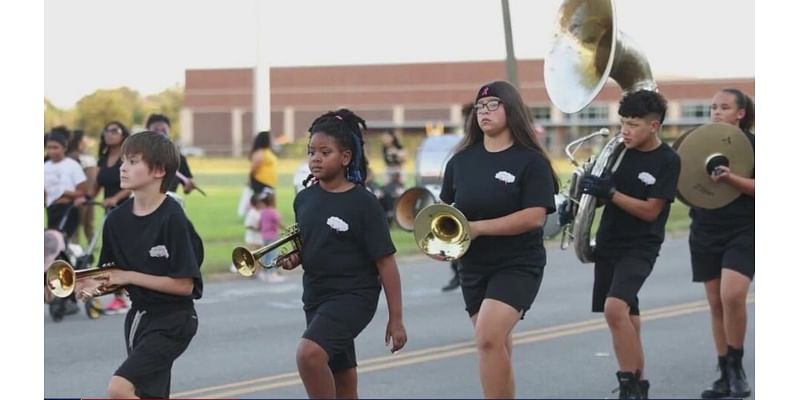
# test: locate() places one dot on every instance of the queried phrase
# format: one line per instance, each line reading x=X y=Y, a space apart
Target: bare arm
x=390 y=278
x=91 y=181
x=647 y=210
x=164 y=284
x=521 y=221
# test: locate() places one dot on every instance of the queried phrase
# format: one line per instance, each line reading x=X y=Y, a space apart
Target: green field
x=216 y=220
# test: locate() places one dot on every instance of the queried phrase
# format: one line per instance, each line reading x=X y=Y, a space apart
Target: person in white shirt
x=64 y=182
x=77 y=149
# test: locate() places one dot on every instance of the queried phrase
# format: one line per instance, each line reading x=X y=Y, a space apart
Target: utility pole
x=511 y=61
x=261 y=79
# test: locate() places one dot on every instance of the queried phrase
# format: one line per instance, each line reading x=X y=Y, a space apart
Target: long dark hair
x=346 y=129
x=261 y=141
x=744 y=102
x=103 y=150
x=518 y=119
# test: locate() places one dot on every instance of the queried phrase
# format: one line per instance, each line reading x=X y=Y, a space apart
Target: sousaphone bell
x=409 y=204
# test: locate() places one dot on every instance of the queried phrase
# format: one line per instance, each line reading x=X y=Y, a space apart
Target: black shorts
x=154 y=339
x=622 y=277
x=730 y=249
x=516 y=286
x=58 y=212
x=334 y=325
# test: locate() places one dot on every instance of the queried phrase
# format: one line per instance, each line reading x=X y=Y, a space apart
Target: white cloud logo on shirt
x=159 y=251
x=505 y=177
x=338 y=224
x=647 y=178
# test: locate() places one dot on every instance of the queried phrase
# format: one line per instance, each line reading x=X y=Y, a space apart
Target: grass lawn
x=216 y=221
x=221 y=229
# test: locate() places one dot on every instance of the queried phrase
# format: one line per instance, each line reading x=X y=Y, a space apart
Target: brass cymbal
x=703 y=148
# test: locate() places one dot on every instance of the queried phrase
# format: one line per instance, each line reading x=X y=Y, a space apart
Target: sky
x=147 y=45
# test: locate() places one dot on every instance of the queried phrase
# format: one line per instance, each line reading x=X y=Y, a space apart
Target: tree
x=94 y=111
x=97 y=109
x=54 y=116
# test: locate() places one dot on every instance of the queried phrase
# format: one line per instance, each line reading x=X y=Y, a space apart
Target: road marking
x=441 y=352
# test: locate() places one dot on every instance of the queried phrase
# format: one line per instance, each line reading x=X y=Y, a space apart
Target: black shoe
x=735 y=372
x=56 y=309
x=720 y=388
x=644 y=388
x=628 y=385
x=453 y=284
x=70 y=307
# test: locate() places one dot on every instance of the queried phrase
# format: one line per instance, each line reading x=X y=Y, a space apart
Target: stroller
x=56 y=247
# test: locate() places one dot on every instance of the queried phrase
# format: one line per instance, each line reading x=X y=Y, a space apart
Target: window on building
x=540 y=113
x=592 y=113
x=695 y=110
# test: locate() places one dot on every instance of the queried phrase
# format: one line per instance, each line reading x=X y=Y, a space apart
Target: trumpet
x=245 y=260
x=61 y=278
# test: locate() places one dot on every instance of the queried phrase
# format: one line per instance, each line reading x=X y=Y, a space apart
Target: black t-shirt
x=643 y=175
x=741 y=213
x=183 y=168
x=487 y=185
x=343 y=234
x=108 y=177
x=163 y=243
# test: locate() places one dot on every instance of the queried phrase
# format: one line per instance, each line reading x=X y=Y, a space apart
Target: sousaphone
x=587 y=49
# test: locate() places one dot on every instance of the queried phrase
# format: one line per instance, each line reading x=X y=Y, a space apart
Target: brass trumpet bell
x=442 y=232
x=248 y=262
x=61 y=278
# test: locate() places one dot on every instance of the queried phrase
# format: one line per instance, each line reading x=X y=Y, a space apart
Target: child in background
x=270 y=226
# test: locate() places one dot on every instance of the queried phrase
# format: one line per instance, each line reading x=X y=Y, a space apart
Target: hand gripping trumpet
x=61 y=278
x=245 y=260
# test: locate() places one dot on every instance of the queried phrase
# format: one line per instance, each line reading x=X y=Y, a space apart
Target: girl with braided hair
x=347 y=254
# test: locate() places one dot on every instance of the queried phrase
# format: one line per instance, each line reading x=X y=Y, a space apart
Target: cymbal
x=703 y=148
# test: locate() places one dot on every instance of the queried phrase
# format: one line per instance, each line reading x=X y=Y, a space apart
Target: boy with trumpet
x=157 y=256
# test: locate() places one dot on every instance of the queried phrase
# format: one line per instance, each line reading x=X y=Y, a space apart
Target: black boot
x=644 y=385
x=453 y=284
x=628 y=385
x=736 y=377
x=720 y=388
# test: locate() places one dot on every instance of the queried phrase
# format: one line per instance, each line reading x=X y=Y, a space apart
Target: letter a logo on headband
x=487 y=90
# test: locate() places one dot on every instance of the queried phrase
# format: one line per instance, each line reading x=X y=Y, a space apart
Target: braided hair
x=346 y=129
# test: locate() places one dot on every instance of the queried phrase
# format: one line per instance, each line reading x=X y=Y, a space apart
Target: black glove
x=564 y=214
x=598 y=186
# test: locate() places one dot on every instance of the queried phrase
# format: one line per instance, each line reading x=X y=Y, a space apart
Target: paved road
x=249 y=329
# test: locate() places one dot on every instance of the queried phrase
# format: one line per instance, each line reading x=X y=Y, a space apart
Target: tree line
x=123 y=104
